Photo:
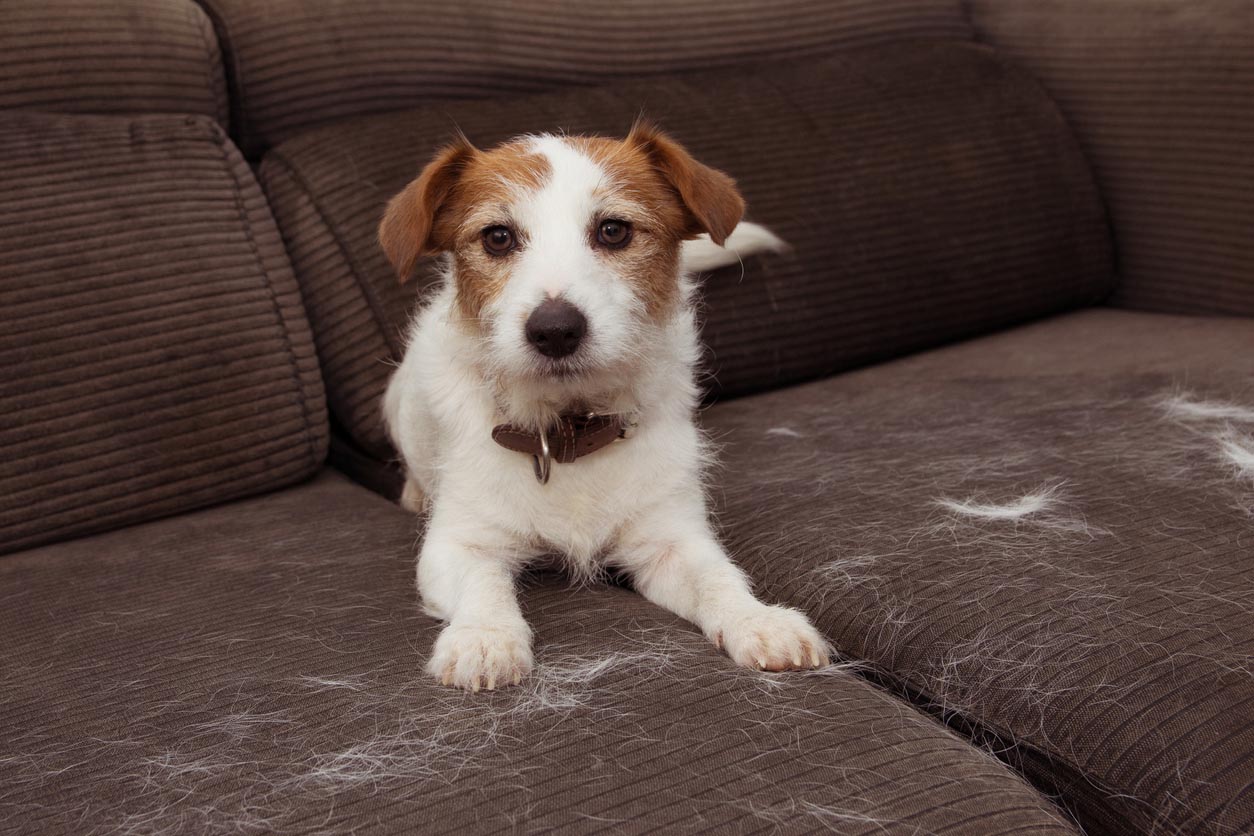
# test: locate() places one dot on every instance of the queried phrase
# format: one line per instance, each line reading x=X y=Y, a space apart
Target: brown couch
x=989 y=422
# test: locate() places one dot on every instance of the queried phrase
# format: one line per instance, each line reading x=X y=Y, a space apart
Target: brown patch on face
x=681 y=198
x=431 y=215
x=710 y=199
x=406 y=230
x=465 y=190
x=481 y=199
x=651 y=260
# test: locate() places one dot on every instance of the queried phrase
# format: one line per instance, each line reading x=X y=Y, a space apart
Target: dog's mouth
x=563 y=368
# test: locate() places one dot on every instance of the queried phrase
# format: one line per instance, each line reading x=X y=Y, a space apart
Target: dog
x=547 y=397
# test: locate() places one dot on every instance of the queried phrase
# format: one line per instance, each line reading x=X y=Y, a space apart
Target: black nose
x=556 y=327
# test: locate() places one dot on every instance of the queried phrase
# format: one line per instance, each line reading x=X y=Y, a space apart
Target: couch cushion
x=154 y=356
x=298 y=63
x=930 y=192
x=1159 y=93
x=257 y=667
x=136 y=56
x=1026 y=532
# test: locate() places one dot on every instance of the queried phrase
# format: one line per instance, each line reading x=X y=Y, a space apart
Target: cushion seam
x=358 y=277
x=294 y=365
x=232 y=75
x=906 y=686
x=363 y=287
x=203 y=25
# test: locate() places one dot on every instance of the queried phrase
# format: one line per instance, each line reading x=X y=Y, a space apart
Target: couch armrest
x=1161 y=94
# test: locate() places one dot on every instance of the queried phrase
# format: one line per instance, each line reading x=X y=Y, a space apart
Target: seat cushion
x=298 y=63
x=1159 y=93
x=154 y=355
x=124 y=56
x=1046 y=535
x=930 y=192
x=257 y=668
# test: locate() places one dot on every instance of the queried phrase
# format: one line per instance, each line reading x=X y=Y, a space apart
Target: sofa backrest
x=299 y=63
x=1161 y=95
x=135 y=56
x=930 y=192
x=154 y=352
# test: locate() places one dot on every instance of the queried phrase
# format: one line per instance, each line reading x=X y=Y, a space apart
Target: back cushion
x=298 y=63
x=930 y=193
x=120 y=56
x=154 y=356
x=1161 y=94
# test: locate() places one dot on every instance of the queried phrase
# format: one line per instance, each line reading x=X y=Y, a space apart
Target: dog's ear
x=710 y=198
x=408 y=228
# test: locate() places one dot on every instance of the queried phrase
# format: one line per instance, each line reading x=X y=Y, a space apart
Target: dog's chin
x=566 y=381
x=580 y=378
x=563 y=370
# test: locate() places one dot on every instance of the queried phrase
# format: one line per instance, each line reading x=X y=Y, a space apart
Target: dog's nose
x=556 y=327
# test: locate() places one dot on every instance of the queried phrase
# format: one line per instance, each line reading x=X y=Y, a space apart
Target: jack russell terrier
x=547 y=398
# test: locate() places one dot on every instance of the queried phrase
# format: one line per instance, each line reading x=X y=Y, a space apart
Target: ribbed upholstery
x=154 y=356
x=257 y=668
x=297 y=63
x=122 y=56
x=355 y=333
x=930 y=192
x=1159 y=92
x=1106 y=638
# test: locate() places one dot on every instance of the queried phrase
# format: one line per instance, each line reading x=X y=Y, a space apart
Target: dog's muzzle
x=555 y=328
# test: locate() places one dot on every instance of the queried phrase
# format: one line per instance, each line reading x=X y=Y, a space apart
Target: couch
x=989 y=422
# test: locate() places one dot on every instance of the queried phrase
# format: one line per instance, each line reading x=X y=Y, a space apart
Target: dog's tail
x=700 y=255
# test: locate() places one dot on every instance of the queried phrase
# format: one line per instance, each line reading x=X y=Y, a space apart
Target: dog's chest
x=584 y=503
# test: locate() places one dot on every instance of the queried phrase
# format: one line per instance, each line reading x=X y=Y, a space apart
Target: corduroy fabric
x=298 y=63
x=124 y=56
x=154 y=356
x=1159 y=92
x=257 y=668
x=1107 y=638
x=929 y=193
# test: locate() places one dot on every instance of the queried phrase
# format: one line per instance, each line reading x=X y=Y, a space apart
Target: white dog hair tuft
x=1238 y=450
x=1034 y=502
x=701 y=255
x=1184 y=407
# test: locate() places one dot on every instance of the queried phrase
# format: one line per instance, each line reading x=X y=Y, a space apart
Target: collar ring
x=543 y=463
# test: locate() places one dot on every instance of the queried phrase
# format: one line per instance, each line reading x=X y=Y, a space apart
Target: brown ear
x=710 y=197
x=406 y=231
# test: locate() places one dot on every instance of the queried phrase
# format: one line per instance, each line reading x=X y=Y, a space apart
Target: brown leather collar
x=570 y=438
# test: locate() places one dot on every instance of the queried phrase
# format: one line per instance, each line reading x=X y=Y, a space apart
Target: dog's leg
x=470 y=584
x=684 y=569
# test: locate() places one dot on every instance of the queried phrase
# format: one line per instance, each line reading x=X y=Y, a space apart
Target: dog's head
x=564 y=250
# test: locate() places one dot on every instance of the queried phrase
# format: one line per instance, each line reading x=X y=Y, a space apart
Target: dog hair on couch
x=547 y=396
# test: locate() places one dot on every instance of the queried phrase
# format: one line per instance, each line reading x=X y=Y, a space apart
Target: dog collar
x=572 y=437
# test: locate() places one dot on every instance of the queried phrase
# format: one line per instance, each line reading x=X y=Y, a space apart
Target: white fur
x=1024 y=506
x=1238 y=450
x=702 y=255
x=637 y=504
x=1184 y=407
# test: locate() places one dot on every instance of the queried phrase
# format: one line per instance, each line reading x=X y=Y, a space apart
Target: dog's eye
x=498 y=240
x=614 y=234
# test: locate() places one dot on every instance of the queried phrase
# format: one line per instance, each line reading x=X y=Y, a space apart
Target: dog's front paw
x=772 y=639
x=474 y=656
